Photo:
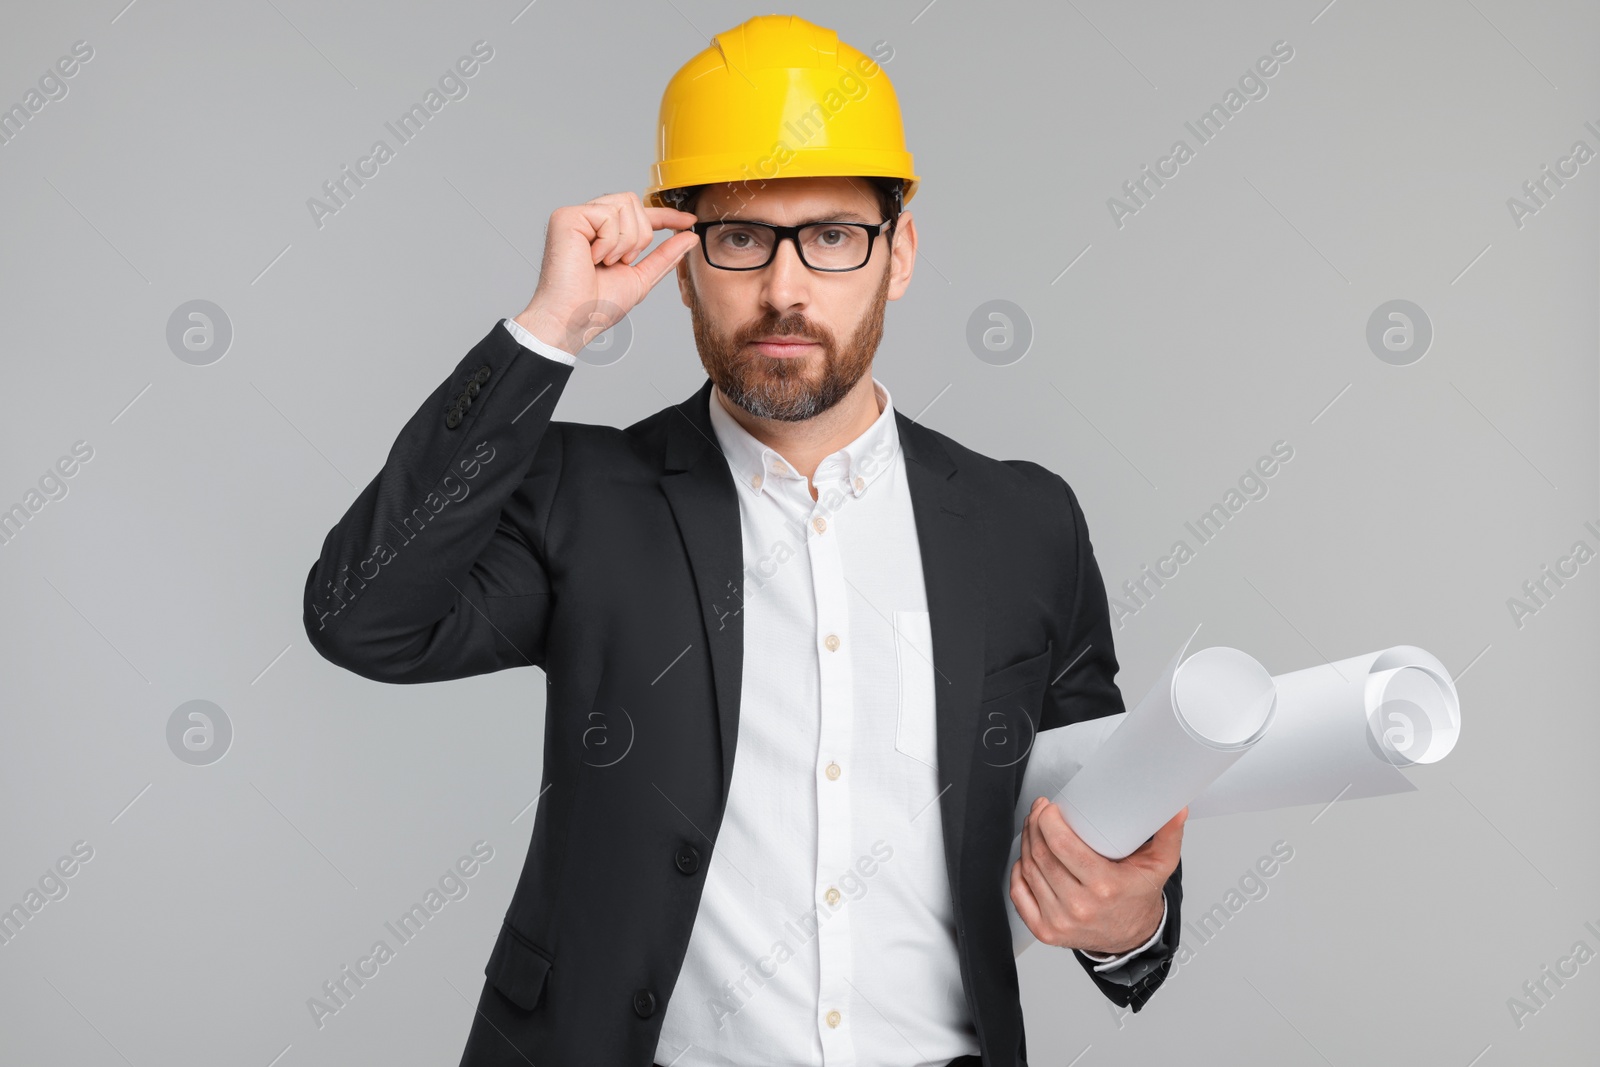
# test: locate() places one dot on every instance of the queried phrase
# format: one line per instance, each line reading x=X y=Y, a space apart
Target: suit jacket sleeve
x=1083 y=669
x=437 y=570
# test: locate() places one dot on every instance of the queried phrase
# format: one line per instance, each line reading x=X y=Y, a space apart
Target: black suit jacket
x=494 y=537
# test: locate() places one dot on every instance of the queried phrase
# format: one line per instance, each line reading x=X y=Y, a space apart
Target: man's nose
x=787 y=279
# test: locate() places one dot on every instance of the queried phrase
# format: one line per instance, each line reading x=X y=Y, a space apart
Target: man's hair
x=684 y=197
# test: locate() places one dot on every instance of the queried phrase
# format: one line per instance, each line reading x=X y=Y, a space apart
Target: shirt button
x=834 y=1018
x=833 y=770
x=819 y=524
x=755 y=481
x=778 y=468
x=832 y=896
x=860 y=483
x=832 y=641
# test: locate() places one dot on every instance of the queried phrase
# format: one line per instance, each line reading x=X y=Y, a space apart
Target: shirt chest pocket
x=916 y=733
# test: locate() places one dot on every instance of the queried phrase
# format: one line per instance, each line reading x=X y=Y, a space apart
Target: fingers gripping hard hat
x=778 y=97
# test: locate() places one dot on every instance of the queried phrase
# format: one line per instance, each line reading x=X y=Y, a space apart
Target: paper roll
x=1194 y=723
x=1343 y=730
x=1333 y=731
x=1197 y=720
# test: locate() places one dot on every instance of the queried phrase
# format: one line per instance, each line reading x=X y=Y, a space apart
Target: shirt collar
x=853 y=468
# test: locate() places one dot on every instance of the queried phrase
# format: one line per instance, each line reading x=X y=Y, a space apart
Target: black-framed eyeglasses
x=734 y=244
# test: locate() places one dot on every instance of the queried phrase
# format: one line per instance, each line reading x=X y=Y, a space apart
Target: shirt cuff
x=1106 y=963
x=533 y=344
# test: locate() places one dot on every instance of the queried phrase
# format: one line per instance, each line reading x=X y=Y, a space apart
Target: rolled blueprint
x=1343 y=730
x=1194 y=723
x=1197 y=720
x=1336 y=731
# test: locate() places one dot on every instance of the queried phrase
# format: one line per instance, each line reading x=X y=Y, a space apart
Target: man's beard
x=787 y=389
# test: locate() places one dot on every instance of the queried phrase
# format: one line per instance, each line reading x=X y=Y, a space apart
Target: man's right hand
x=589 y=279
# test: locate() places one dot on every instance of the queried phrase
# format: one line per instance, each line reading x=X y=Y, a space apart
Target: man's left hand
x=1071 y=896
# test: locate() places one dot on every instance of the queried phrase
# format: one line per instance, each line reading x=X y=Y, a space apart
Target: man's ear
x=684 y=282
x=904 y=257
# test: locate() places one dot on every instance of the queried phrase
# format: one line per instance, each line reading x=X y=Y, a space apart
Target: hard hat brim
x=714 y=170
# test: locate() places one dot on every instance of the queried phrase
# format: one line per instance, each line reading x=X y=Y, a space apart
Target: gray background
x=1228 y=314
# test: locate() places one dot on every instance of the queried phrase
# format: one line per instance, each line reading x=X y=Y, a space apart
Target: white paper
x=1194 y=723
x=1333 y=731
x=1343 y=730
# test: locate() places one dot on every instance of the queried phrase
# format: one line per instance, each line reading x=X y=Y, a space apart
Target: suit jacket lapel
x=948 y=534
x=700 y=490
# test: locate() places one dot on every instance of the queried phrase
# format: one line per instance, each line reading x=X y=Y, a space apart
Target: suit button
x=688 y=859
x=483 y=374
x=473 y=387
x=453 y=419
x=644 y=1003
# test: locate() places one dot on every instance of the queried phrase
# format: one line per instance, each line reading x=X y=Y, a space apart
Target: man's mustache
x=751 y=336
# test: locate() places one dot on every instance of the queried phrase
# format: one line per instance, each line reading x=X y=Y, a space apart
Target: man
x=796 y=645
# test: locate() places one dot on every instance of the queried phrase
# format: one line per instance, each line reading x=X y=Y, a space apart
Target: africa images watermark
x=812 y=122
x=1252 y=486
x=52 y=886
x=338 y=991
x=1211 y=122
x=52 y=486
x=1252 y=886
x=1541 y=190
x=52 y=87
x=1540 y=590
x=852 y=885
x=348 y=586
x=1538 y=991
x=761 y=571
x=342 y=188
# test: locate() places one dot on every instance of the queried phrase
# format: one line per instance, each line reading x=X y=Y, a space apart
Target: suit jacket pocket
x=916 y=733
x=518 y=968
x=1019 y=675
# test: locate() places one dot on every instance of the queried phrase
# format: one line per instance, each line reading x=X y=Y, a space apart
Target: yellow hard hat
x=778 y=97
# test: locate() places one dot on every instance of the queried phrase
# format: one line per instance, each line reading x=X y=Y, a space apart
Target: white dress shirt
x=825 y=935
